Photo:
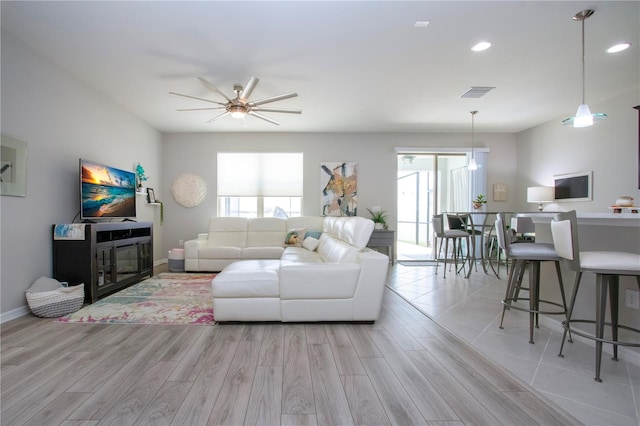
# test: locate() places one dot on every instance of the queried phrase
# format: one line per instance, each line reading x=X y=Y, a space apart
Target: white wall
x=62 y=120
x=609 y=148
x=374 y=153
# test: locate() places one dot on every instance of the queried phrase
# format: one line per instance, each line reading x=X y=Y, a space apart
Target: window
x=260 y=206
x=260 y=184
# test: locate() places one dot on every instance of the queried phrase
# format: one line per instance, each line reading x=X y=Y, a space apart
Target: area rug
x=167 y=298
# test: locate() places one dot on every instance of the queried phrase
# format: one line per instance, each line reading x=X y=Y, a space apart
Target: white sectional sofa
x=238 y=238
x=263 y=279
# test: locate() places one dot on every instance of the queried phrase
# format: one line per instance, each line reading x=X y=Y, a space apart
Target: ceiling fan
x=240 y=106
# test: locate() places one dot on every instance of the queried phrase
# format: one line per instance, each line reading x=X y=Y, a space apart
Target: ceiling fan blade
x=213 y=88
x=246 y=92
x=273 y=99
x=218 y=116
x=288 y=111
x=199 y=109
x=196 y=98
x=265 y=118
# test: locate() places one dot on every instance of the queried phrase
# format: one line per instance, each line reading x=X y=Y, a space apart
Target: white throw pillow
x=44 y=284
x=310 y=243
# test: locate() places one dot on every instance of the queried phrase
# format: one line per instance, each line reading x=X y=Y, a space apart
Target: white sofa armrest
x=191 y=249
x=367 y=301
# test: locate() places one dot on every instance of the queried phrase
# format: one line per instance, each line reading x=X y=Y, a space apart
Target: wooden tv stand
x=109 y=257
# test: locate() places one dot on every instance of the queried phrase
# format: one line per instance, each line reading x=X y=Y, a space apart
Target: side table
x=384 y=238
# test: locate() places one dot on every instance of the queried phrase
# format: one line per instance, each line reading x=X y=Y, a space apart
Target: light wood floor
x=402 y=370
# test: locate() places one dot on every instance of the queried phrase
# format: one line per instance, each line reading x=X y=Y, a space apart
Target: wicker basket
x=56 y=303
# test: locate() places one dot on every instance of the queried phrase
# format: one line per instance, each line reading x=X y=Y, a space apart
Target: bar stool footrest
x=508 y=305
x=567 y=326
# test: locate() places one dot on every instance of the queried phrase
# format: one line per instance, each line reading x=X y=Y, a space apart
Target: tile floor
x=471 y=309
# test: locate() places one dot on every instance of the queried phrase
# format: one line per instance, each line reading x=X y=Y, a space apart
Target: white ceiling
x=357 y=66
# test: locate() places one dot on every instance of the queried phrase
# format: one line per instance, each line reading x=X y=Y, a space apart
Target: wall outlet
x=181 y=243
x=632 y=299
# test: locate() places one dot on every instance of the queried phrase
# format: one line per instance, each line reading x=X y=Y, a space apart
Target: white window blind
x=260 y=174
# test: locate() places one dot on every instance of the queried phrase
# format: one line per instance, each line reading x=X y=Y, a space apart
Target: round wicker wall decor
x=189 y=190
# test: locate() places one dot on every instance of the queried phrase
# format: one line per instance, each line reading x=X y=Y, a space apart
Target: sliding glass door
x=427 y=184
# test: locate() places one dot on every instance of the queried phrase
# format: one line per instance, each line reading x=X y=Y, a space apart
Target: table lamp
x=540 y=194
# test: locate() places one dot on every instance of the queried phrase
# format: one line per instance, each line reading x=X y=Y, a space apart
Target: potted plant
x=140 y=175
x=479 y=201
x=379 y=219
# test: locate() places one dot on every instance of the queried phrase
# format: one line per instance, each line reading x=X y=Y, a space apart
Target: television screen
x=106 y=192
x=573 y=187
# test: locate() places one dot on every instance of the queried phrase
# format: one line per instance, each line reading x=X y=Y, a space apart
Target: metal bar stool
x=464 y=222
x=442 y=235
x=520 y=228
x=533 y=254
x=608 y=267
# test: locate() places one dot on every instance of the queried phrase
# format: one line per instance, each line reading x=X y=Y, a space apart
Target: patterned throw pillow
x=294 y=238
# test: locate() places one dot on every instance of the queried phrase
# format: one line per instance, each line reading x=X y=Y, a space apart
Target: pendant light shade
x=583 y=117
x=472 y=163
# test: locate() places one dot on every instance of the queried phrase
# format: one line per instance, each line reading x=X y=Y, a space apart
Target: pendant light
x=472 y=163
x=583 y=117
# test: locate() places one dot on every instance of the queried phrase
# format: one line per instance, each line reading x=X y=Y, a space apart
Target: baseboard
x=14 y=313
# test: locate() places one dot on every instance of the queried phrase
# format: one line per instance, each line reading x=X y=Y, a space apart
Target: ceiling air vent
x=476 y=92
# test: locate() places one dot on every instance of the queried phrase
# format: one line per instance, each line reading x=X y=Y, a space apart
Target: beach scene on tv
x=107 y=192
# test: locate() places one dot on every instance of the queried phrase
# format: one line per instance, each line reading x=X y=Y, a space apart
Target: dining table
x=480 y=223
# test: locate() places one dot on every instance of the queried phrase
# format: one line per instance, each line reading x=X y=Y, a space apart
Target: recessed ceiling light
x=421 y=24
x=483 y=45
x=618 y=47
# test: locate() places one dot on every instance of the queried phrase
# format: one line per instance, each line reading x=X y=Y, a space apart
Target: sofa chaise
x=290 y=270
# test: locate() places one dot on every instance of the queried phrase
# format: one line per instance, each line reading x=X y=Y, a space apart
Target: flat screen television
x=573 y=186
x=106 y=192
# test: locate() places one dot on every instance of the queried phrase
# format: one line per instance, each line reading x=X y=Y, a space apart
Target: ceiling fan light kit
x=240 y=106
x=237 y=111
x=583 y=117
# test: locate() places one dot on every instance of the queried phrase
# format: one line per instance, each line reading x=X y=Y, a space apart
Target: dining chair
x=529 y=254
x=608 y=266
x=524 y=227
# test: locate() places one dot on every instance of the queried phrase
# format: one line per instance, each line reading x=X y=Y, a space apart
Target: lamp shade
x=540 y=194
x=583 y=117
x=472 y=164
